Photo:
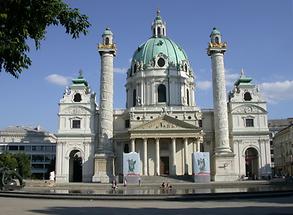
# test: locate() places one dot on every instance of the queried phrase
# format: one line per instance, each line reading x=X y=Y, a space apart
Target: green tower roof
x=107 y=32
x=79 y=80
x=215 y=31
x=243 y=80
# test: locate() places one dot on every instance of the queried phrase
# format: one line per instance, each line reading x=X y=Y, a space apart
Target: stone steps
x=167 y=178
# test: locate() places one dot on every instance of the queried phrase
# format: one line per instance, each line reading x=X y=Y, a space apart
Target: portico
x=165 y=150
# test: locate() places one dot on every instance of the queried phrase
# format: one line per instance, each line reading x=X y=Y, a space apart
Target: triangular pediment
x=164 y=123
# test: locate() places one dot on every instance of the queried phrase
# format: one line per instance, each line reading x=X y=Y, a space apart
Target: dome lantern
x=158 y=26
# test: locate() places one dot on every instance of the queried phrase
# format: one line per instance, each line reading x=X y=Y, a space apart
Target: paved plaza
x=269 y=206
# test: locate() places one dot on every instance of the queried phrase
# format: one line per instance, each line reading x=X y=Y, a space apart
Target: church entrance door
x=75 y=166
x=251 y=163
x=164 y=165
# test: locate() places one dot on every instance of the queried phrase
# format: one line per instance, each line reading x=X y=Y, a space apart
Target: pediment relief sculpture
x=76 y=110
x=248 y=109
x=165 y=122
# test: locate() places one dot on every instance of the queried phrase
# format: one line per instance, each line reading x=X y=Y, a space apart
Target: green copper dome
x=107 y=32
x=155 y=46
x=215 y=31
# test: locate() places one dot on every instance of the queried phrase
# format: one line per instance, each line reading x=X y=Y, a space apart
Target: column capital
x=198 y=139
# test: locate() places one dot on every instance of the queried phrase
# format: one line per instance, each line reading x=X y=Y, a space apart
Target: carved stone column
x=104 y=156
x=173 y=157
x=132 y=145
x=157 y=170
x=145 y=158
x=197 y=144
x=185 y=157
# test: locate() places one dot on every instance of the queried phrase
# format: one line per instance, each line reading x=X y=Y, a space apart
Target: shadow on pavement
x=178 y=211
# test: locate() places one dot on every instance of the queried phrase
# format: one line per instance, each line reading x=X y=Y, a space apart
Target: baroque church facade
x=161 y=121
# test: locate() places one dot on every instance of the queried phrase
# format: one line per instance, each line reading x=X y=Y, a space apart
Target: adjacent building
x=37 y=143
x=283 y=150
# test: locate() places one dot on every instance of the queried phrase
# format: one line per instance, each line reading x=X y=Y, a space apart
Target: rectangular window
x=249 y=123
x=37 y=148
x=127 y=123
x=37 y=166
x=12 y=148
x=75 y=123
x=27 y=148
x=48 y=148
x=200 y=123
x=37 y=158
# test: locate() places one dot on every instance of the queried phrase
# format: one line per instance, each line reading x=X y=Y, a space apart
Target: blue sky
x=259 y=36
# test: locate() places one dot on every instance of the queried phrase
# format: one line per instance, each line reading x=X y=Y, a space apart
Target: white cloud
x=204 y=85
x=277 y=91
x=58 y=79
x=230 y=77
x=120 y=70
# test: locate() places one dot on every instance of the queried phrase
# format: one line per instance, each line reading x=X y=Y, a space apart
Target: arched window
x=185 y=67
x=134 y=98
x=107 y=41
x=134 y=68
x=127 y=98
x=247 y=96
x=187 y=95
x=154 y=31
x=159 y=31
x=161 y=93
x=77 y=97
x=216 y=39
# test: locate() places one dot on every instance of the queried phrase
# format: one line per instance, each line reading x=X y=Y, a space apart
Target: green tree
x=21 y=20
x=8 y=160
x=23 y=164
